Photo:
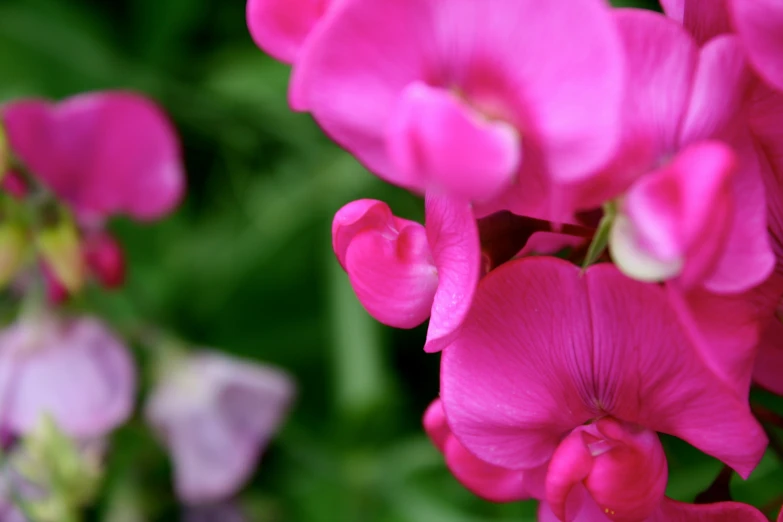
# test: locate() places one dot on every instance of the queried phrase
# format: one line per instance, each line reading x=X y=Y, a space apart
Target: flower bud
x=104 y=257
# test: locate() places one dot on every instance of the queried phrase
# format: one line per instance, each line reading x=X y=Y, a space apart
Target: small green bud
x=13 y=247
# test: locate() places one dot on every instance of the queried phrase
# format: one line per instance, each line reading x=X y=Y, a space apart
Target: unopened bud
x=61 y=250
x=104 y=257
x=13 y=245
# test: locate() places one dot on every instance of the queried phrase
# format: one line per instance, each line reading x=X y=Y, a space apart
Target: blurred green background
x=246 y=266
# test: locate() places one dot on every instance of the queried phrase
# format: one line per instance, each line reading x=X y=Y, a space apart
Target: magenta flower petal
x=678 y=217
x=661 y=57
x=453 y=237
x=760 y=25
x=216 y=415
x=493 y=56
x=280 y=27
x=747 y=259
x=543 y=350
x=726 y=329
x=103 y=153
x=388 y=261
x=483 y=479
x=77 y=372
x=622 y=466
x=434 y=139
x=768 y=371
x=705 y=19
x=673 y=511
x=720 y=90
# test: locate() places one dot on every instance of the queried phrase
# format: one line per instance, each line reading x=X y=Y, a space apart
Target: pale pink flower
x=75 y=371
x=403 y=272
x=469 y=96
x=102 y=153
x=216 y=415
x=546 y=350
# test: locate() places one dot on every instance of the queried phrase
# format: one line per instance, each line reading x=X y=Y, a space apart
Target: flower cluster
x=645 y=147
x=68 y=380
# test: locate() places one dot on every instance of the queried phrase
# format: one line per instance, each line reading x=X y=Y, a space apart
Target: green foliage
x=246 y=265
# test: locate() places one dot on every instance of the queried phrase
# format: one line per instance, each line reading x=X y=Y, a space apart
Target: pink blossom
x=75 y=371
x=469 y=96
x=688 y=181
x=546 y=349
x=403 y=272
x=102 y=153
x=488 y=481
x=216 y=415
x=759 y=24
x=281 y=27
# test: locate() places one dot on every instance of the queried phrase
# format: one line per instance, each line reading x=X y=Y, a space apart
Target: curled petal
x=679 y=216
x=103 y=153
x=768 y=371
x=705 y=19
x=453 y=237
x=436 y=140
x=388 y=261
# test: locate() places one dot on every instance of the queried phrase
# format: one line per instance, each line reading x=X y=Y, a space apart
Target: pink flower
x=76 y=371
x=687 y=181
x=546 y=350
x=216 y=415
x=281 y=27
x=759 y=23
x=488 y=481
x=102 y=153
x=403 y=272
x=469 y=96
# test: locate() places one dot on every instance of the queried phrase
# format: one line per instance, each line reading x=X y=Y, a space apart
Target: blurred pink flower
x=759 y=24
x=216 y=414
x=546 y=349
x=102 y=153
x=281 y=27
x=469 y=96
x=75 y=371
x=403 y=272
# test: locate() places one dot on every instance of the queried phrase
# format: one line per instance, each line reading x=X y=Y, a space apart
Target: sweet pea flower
x=469 y=97
x=216 y=414
x=74 y=370
x=689 y=190
x=581 y=369
x=758 y=23
x=403 y=272
x=281 y=27
x=102 y=153
x=486 y=480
